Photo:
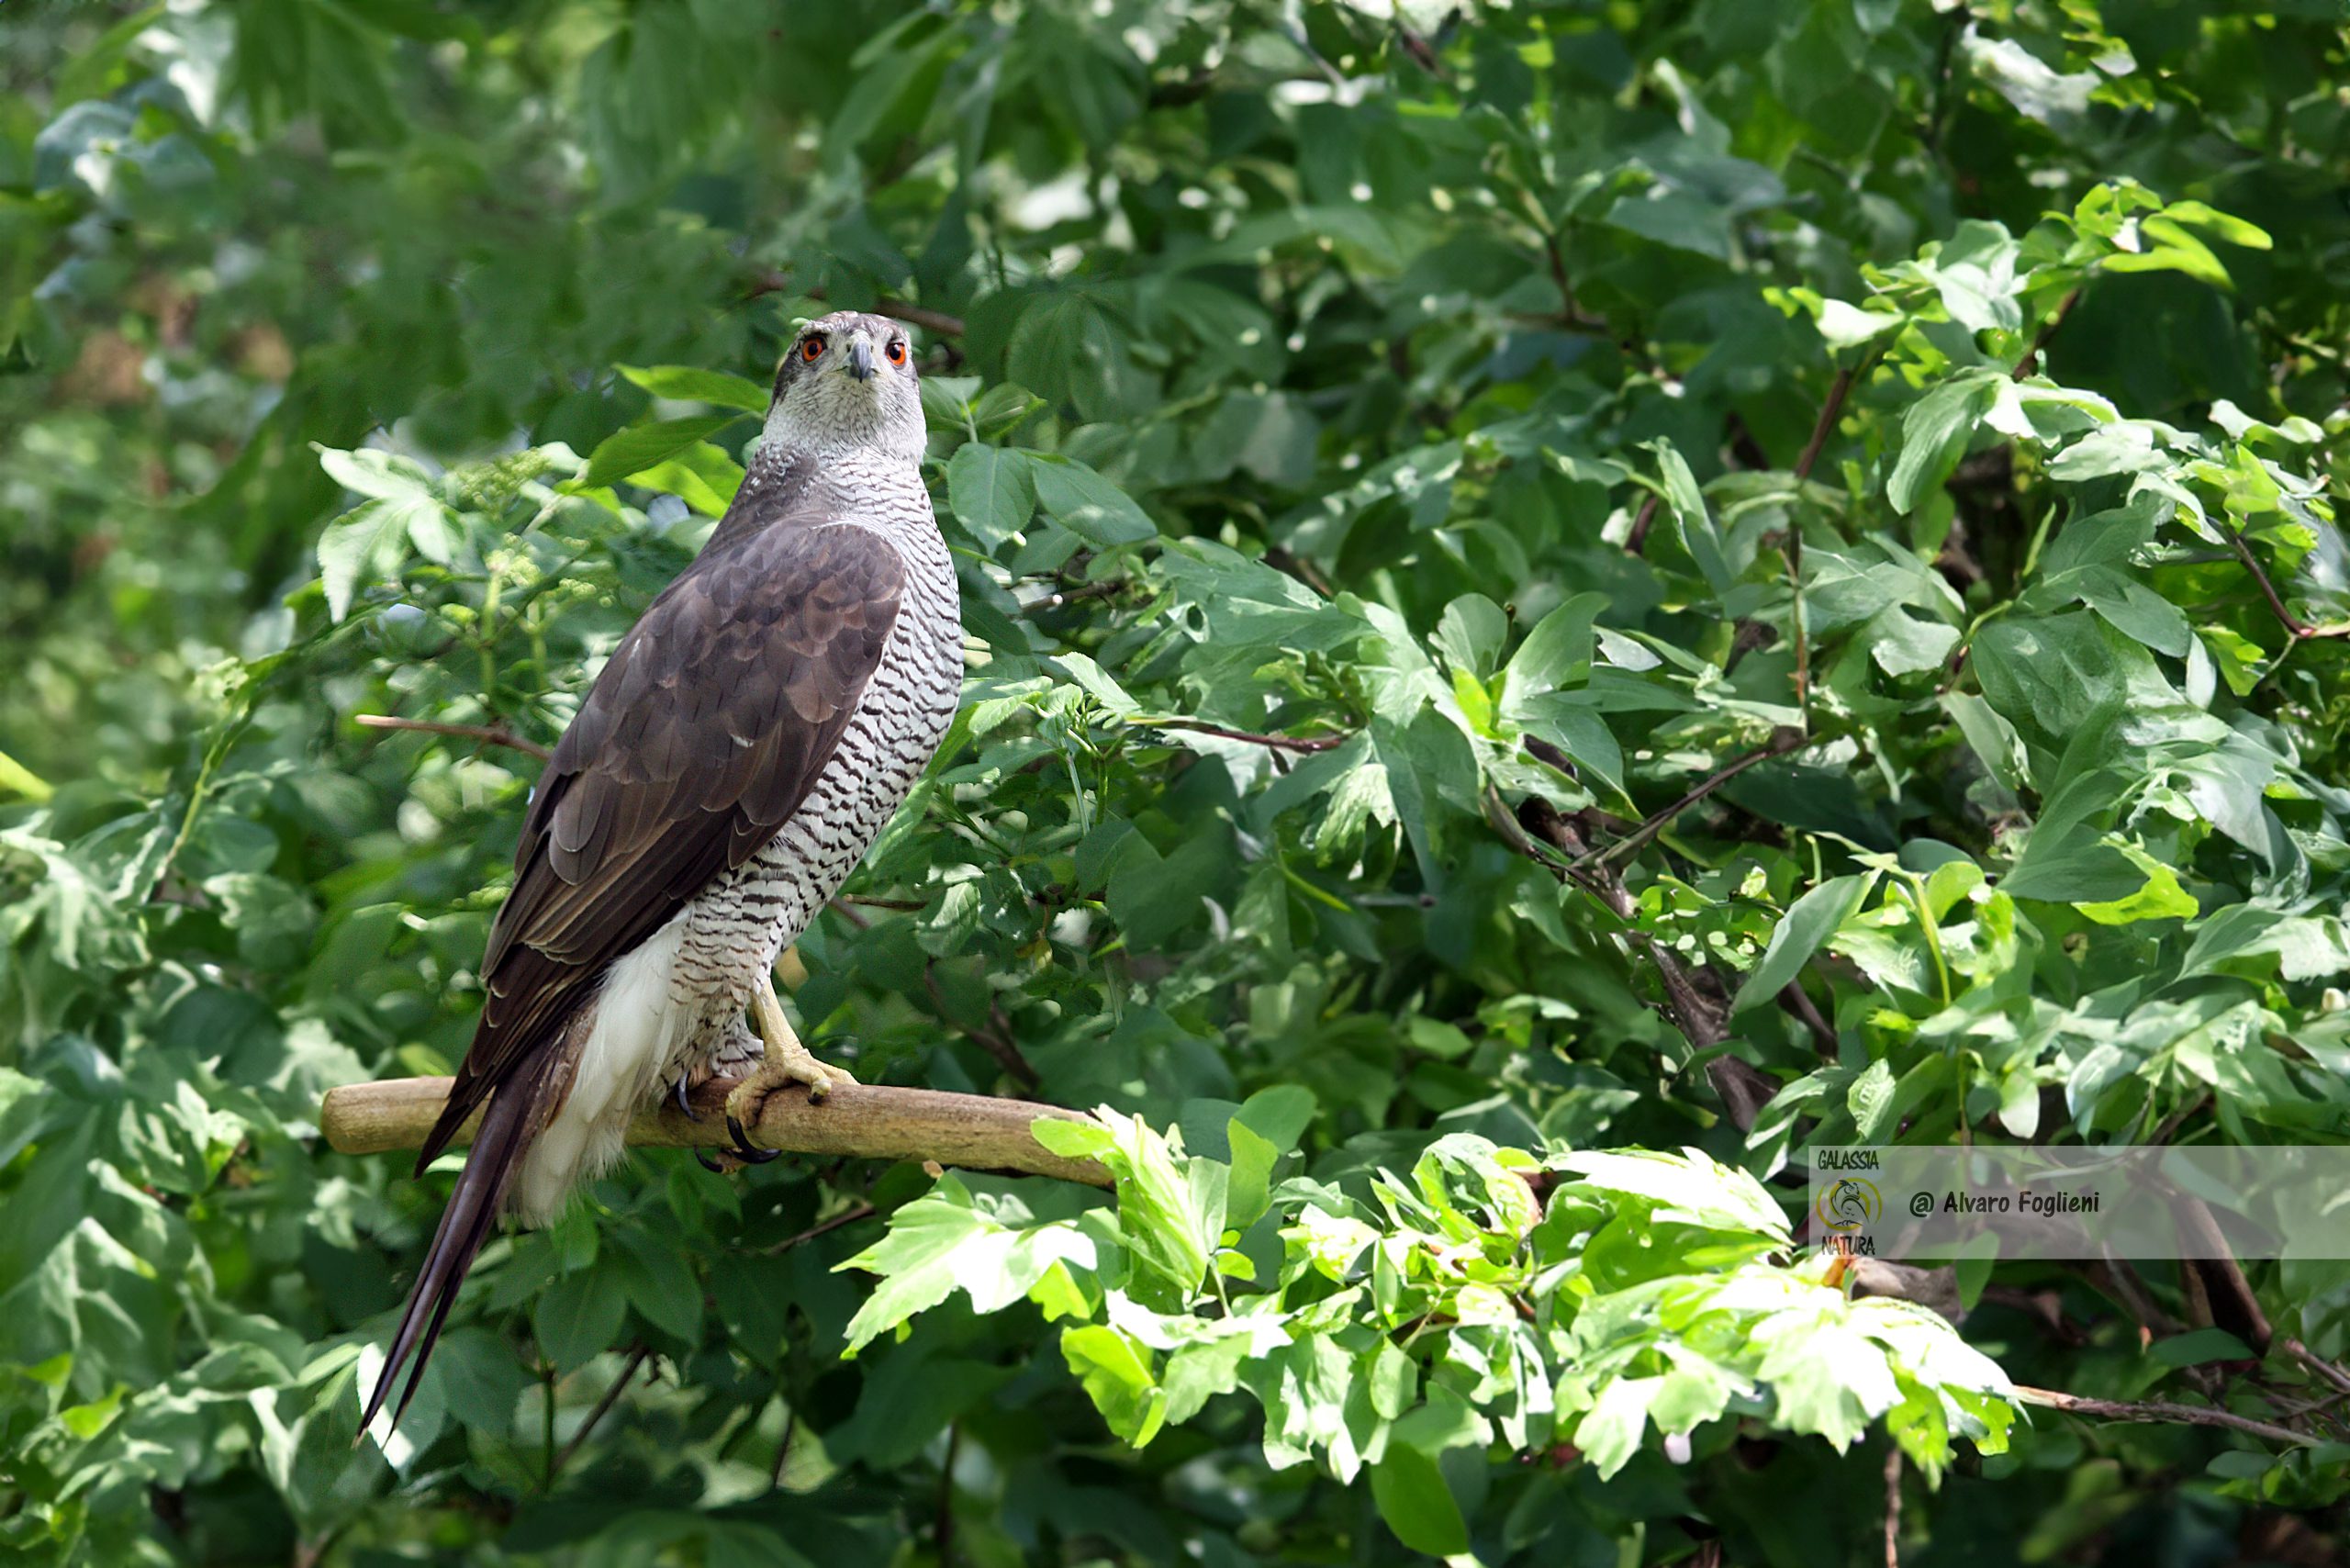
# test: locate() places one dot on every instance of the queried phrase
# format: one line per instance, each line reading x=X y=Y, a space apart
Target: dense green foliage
x=1688 y=581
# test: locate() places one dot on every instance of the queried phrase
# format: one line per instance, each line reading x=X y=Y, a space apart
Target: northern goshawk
x=733 y=763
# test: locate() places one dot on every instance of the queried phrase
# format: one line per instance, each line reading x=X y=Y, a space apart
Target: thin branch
x=2161 y=1410
x=2294 y=625
x=1831 y=410
x=1107 y=588
x=1893 y=1505
x=1695 y=1001
x=903 y=906
x=2030 y=363
x=1278 y=743
x=2318 y=1364
x=1570 y=314
x=1783 y=740
x=847 y=1216
x=922 y=316
x=783 y=1447
x=1638 y=539
x=1799 y=1002
x=772 y=281
x=943 y=1529
x=1838 y=390
x=611 y=1397
x=487 y=734
x=993 y=1037
x=974 y=1132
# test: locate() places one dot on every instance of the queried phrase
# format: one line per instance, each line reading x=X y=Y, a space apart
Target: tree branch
x=857 y=1121
x=771 y=281
x=2030 y=363
x=2160 y=1410
x=1784 y=740
x=1840 y=388
x=1638 y=539
x=1695 y=1001
x=1893 y=1505
x=603 y=1408
x=1278 y=742
x=488 y=734
x=994 y=1038
x=2294 y=625
x=2318 y=1364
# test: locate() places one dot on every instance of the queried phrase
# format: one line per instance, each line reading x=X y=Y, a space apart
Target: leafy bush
x=1563 y=603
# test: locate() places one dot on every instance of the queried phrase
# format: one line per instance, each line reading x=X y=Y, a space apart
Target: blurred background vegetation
x=1305 y=356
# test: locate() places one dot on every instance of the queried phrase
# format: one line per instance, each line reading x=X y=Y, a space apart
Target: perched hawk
x=730 y=768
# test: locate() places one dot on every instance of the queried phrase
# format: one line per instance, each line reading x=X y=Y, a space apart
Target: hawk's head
x=848 y=381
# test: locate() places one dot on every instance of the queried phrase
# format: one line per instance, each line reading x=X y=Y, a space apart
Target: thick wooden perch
x=972 y=1131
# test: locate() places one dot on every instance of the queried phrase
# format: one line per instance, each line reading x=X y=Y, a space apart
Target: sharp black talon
x=684 y=1103
x=744 y=1149
x=708 y=1163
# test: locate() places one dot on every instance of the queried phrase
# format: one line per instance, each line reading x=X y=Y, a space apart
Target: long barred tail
x=507 y=1129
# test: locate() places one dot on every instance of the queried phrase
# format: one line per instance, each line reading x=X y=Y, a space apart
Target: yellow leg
x=786 y=1061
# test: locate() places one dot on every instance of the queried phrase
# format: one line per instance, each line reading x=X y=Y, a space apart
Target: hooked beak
x=861 y=358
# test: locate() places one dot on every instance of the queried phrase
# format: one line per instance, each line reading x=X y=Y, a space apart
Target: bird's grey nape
x=847 y=383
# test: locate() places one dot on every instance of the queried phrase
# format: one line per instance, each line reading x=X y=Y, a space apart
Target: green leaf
x=701 y=476
x=628 y=452
x=2162 y=897
x=1935 y=433
x=2235 y=231
x=686 y=383
x=1801 y=932
x=1085 y=503
x=16 y=778
x=578 y=1316
x=1117 y=1375
x=1471 y=633
x=660 y=1283
x=993 y=492
x=1414 y=1500
x=1871 y=1102
x=1556 y=653
x=364 y=545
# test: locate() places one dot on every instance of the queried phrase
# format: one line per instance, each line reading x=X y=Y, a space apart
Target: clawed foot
x=786 y=1061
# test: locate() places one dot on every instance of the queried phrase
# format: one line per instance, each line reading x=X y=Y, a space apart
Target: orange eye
x=812 y=349
x=896 y=350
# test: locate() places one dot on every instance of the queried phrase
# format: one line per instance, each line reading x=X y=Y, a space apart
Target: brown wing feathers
x=704 y=732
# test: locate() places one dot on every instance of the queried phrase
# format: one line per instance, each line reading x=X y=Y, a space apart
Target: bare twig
x=1278 y=742
x=773 y=282
x=1638 y=539
x=1107 y=588
x=2324 y=1369
x=2294 y=625
x=1893 y=1505
x=611 y=1396
x=859 y=1121
x=487 y=734
x=1695 y=1001
x=1570 y=314
x=993 y=1037
x=847 y=1216
x=944 y=1527
x=2030 y=363
x=1838 y=390
x=2161 y=1410
x=1799 y=1002
x=1831 y=408
x=1784 y=740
